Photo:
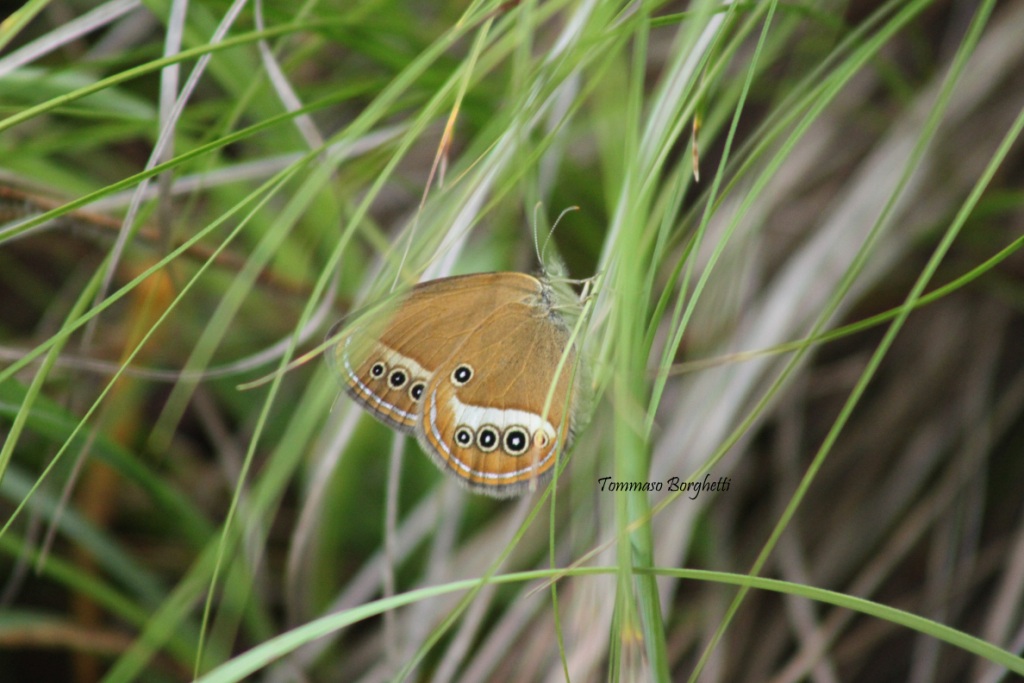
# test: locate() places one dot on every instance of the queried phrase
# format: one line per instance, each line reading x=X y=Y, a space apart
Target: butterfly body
x=480 y=368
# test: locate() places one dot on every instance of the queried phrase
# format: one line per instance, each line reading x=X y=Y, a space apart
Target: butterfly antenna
x=547 y=240
x=536 y=241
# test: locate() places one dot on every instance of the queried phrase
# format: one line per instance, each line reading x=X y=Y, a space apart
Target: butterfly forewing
x=387 y=362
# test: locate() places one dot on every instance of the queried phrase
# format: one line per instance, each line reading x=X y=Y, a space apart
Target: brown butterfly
x=479 y=367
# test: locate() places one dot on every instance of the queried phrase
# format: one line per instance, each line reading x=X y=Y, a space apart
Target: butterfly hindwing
x=484 y=413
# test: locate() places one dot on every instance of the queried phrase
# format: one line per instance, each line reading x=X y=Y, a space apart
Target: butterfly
x=479 y=367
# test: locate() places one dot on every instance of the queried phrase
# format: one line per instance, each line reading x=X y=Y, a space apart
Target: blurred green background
x=193 y=192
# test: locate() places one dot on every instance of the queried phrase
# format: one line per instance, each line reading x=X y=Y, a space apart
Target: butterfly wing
x=386 y=363
x=483 y=416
